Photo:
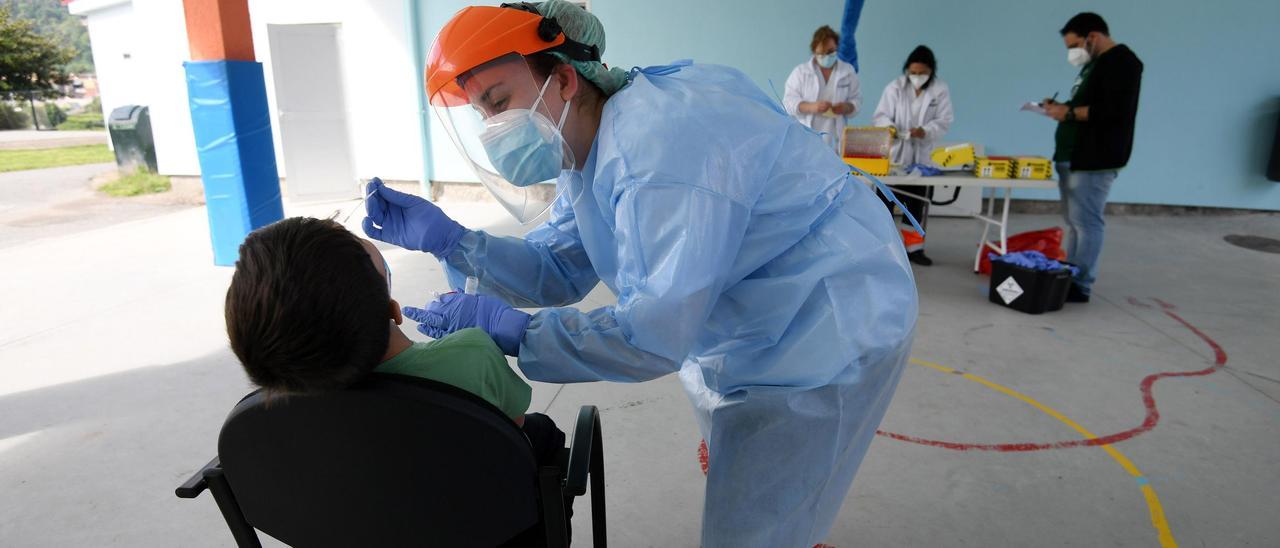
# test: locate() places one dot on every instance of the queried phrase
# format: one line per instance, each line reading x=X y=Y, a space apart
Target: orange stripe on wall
x=219 y=30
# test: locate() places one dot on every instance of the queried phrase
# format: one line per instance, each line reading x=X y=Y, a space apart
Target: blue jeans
x=1084 y=196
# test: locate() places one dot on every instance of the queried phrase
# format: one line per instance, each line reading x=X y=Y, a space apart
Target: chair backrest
x=391 y=461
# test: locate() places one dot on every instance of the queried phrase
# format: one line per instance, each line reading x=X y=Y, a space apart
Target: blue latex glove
x=1033 y=260
x=924 y=170
x=454 y=311
x=409 y=221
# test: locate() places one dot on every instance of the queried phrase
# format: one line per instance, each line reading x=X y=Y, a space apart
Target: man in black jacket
x=1094 y=137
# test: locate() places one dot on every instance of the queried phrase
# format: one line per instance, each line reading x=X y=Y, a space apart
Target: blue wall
x=1210 y=97
x=1210 y=93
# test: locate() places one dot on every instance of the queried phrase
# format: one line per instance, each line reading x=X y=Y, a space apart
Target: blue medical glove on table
x=456 y=311
x=409 y=221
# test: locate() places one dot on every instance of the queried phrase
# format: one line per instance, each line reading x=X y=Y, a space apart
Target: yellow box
x=993 y=167
x=867 y=148
x=875 y=166
x=953 y=156
x=1032 y=167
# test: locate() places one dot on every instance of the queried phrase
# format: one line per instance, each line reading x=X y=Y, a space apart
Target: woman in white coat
x=918 y=105
x=823 y=92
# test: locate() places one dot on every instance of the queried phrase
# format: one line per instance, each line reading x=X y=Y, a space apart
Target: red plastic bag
x=911 y=239
x=1047 y=241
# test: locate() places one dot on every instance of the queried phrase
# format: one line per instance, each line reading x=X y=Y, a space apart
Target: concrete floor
x=115 y=376
x=43 y=203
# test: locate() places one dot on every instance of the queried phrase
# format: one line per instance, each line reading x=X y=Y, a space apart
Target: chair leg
x=244 y=534
x=586 y=468
x=598 y=536
x=553 y=518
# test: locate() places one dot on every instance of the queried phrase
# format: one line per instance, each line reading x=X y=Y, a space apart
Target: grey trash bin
x=130 y=129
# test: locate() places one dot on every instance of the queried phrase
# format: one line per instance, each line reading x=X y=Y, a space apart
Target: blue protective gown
x=744 y=257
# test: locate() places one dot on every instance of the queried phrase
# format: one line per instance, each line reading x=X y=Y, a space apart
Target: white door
x=307 y=71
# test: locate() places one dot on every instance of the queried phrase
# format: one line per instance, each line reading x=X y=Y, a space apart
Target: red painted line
x=1163 y=304
x=704 y=459
x=1136 y=302
x=1148 y=401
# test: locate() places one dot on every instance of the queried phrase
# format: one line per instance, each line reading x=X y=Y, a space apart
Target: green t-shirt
x=1064 y=138
x=467 y=359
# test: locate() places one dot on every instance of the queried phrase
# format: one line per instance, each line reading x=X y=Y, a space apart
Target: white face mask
x=524 y=146
x=1077 y=56
x=918 y=80
x=826 y=61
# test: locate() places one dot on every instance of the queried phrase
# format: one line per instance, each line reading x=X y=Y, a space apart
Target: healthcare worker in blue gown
x=743 y=255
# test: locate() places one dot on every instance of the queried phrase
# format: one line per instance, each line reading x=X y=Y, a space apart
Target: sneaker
x=919 y=258
x=1076 y=295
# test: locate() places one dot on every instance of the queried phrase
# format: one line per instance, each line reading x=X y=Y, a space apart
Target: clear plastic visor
x=509 y=135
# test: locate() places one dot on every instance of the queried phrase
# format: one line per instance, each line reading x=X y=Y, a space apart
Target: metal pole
x=413 y=10
x=35 y=121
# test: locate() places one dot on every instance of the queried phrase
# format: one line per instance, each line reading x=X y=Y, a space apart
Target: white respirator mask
x=1077 y=56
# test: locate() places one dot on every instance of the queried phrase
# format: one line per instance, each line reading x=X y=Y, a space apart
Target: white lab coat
x=805 y=84
x=900 y=108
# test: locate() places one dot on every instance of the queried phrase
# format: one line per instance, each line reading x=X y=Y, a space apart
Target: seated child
x=309 y=310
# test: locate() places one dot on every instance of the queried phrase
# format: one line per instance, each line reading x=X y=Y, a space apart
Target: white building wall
x=379 y=73
x=377 y=60
x=164 y=29
x=113 y=32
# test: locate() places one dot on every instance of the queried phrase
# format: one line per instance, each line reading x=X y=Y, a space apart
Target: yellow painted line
x=1157 y=516
x=1148 y=493
x=932 y=365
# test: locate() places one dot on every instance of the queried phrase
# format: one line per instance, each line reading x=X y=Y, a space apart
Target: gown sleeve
x=792 y=95
x=676 y=243
x=547 y=267
x=943 y=116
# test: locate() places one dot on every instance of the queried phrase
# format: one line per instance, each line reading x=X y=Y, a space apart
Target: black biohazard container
x=1026 y=290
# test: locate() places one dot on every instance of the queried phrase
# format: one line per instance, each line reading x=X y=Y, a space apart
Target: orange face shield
x=493 y=107
x=480 y=34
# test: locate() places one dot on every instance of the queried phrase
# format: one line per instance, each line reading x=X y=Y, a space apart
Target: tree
x=30 y=64
x=52 y=19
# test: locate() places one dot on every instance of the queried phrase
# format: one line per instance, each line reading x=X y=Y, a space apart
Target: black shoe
x=1076 y=295
x=918 y=257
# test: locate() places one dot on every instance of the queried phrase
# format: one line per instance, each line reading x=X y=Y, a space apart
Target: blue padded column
x=232 y=125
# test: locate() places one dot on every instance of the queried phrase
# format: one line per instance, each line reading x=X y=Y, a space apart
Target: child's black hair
x=307 y=311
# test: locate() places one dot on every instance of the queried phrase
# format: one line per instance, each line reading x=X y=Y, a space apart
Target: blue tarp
x=228 y=101
x=848 y=51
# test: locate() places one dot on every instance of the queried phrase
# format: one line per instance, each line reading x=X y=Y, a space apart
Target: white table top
x=966 y=178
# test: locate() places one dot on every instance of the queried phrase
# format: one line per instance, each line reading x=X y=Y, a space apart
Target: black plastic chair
x=393 y=461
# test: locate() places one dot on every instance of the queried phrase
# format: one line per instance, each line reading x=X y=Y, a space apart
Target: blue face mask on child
x=523 y=145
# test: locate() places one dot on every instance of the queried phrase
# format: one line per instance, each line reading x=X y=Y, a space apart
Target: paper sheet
x=1034 y=106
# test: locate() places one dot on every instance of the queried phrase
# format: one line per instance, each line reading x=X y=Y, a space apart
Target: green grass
x=84 y=120
x=17 y=160
x=140 y=182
